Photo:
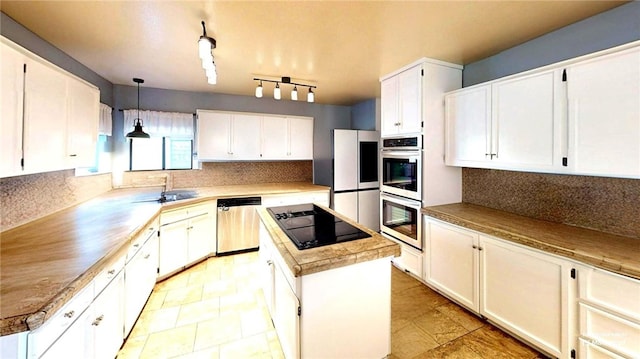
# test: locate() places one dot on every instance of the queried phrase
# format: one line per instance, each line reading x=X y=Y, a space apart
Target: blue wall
x=609 y=29
x=326 y=117
x=363 y=115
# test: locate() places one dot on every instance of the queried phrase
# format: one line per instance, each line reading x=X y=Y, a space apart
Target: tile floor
x=215 y=309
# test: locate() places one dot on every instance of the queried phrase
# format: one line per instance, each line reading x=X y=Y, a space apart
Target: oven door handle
x=401 y=154
x=402 y=201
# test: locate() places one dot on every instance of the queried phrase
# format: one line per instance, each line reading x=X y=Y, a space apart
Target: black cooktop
x=309 y=226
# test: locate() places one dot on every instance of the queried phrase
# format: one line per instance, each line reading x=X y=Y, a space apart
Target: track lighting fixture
x=205 y=46
x=277 y=94
x=137 y=123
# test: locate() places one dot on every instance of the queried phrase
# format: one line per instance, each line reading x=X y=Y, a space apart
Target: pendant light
x=276 y=92
x=137 y=126
x=294 y=93
x=285 y=80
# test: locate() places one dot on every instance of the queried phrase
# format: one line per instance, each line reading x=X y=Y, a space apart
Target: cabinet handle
x=74 y=155
x=111 y=272
x=474 y=246
x=479 y=248
x=147 y=256
x=98 y=320
x=136 y=245
x=270 y=262
x=69 y=314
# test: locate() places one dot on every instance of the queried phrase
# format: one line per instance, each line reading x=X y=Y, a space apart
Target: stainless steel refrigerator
x=356 y=187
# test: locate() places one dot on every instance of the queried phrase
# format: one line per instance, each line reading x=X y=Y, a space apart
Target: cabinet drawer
x=40 y=339
x=176 y=215
x=588 y=350
x=107 y=274
x=139 y=241
x=608 y=330
x=609 y=290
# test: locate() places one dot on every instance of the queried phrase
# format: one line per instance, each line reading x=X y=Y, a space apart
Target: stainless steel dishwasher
x=238 y=224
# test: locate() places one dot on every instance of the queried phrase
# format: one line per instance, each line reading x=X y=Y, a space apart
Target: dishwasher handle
x=225 y=203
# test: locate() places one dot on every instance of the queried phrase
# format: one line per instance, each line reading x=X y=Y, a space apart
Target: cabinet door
x=285 y=318
x=468 y=127
x=108 y=319
x=452 y=262
x=245 y=137
x=524 y=123
x=604 y=115
x=82 y=126
x=11 y=96
x=410 y=100
x=201 y=237
x=267 y=267
x=214 y=135
x=345 y=160
x=410 y=260
x=275 y=137
x=300 y=139
x=75 y=342
x=140 y=278
x=389 y=107
x=45 y=122
x=173 y=247
x=523 y=291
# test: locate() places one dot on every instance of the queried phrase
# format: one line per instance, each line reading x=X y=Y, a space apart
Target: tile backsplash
x=29 y=197
x=225 y=173
x=602 y=203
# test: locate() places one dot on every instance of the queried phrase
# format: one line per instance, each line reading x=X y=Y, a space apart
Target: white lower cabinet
x=451 y=262
x=526 y=292
x=609 y=314
x=187 y=235
x=323 y=315
x=140 y=278
x=523 y=291
x=410 y=259
x=96 y=332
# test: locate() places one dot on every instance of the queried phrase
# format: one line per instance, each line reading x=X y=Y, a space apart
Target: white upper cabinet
x=82 y=134
x=245 y=136
x=508 y=124
x=604 y=115
x=524 y=122
x=213 y=138
x=289 y=138
x=45 y=119
x=11 y=102
x=468 y=126
x=275 y=135
x=402 y=103
x=234 y=136
x=300 y=138
x=581 y=116
x=49 y=117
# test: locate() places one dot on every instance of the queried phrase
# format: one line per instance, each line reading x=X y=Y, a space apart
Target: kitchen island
x=332 y=301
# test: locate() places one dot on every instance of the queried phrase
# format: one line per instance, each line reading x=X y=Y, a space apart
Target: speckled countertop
x=611 y=252
x=313 y=260
x=45 y=262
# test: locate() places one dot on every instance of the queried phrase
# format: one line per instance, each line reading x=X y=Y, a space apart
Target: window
x=160 y=153
x=171 y=143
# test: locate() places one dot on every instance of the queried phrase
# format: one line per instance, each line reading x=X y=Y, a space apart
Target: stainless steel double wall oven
x=401 y=186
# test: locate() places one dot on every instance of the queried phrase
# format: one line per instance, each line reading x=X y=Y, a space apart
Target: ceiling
x=342 y=47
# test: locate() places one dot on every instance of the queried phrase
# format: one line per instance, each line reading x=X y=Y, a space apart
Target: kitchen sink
x=170 y=196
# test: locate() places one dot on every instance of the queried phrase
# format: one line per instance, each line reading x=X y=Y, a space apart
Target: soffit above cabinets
x=342 y=47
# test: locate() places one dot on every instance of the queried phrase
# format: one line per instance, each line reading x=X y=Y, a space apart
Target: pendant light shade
x=294 y=93
x=276 y=92
x=259 y=90
x=137 y=125
x=310 y=96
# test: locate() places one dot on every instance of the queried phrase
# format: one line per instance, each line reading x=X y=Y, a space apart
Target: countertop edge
x=287 y=249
